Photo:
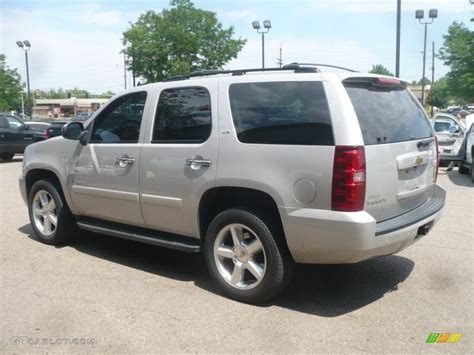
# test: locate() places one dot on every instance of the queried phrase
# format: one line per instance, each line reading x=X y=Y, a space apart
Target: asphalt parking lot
x=118 y=296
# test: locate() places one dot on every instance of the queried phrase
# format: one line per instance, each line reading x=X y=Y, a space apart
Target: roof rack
x=306 y=65
x=296 y=67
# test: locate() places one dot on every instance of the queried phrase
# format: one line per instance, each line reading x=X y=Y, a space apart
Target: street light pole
x=267 y=25
x=25 y=46
x=397 y=50
x=420 y=14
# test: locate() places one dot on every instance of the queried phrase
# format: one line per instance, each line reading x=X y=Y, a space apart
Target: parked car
x=450 y=133
x=38 y=126
x=15 y=135
x=81 y=116
x=465 y=166
x=54 y=129
x=258 y=170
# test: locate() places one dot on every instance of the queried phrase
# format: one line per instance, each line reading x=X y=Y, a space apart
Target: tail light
x=46 y=134
x=436 y=167
x=348 y=179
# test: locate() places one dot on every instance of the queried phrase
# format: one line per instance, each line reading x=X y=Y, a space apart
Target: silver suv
x=257 y=169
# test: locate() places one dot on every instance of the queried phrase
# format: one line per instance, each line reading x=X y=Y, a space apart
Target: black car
x=54 y=129
x=15 y=135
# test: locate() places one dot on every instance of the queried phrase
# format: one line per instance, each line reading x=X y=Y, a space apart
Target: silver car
x=450 y=133
x=258 y=170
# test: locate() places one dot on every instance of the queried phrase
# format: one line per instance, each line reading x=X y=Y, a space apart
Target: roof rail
x=296 y=67
x=300 y=66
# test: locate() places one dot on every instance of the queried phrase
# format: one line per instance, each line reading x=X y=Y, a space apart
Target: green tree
x=10 y=87
x=178 y=40
x=457 y=53
x=439 y=94
x=380 y=69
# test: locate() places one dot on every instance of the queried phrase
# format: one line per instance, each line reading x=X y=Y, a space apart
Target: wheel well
x=40 y=174
x=219 y=199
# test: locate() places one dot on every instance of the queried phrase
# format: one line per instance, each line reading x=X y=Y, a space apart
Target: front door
x=179 y=158
x=104 y=173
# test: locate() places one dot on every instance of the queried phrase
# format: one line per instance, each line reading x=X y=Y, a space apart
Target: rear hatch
x=400 y=148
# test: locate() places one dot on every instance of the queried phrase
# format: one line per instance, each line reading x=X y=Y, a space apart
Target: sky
x=77 y=43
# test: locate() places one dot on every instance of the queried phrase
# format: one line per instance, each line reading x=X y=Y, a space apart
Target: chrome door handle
x=197 y=161
x=124 y=160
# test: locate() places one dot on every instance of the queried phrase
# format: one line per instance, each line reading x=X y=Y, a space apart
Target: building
x=416 y=90
x=66 y=107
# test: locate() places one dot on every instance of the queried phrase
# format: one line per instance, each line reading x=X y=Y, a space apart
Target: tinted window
x=183 y=116
x=120 y=121
x=388 y=115
x=281 y=113
x=14 y=123
x=4 y=122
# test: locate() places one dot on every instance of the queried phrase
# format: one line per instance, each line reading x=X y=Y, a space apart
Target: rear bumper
x=329 y=237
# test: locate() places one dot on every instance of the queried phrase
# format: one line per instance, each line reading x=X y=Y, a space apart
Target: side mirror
x=72 y=130
x=84 y=137
x=454 y=129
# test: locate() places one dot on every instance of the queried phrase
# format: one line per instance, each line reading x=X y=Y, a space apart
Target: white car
x=466 y=163
x=450 y=133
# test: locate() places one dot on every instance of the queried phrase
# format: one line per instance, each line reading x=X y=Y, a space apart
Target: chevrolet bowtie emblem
x=418 y=160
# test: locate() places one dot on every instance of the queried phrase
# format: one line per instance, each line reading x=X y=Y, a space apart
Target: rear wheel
x=462 y=169
x=7 y=156
x=50 y=217
x=245 y=255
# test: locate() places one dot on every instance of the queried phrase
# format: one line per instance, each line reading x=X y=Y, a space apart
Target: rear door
x=400 y=147
x=179 y=158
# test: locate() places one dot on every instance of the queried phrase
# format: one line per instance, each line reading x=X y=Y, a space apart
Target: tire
x=7 y=156
x=39 y=200
x=462 y=169
x=261 y=252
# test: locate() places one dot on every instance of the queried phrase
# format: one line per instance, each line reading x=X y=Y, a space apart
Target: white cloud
x=381 y=6
x=237 y=15
x=309 y=51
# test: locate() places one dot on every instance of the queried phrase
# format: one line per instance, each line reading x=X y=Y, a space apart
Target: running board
x=143 y=235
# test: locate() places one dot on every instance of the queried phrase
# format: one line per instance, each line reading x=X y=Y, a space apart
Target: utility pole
x=280 y=59
x=397 y=51
x=432 y=71
x=22 y=107
x=133 y=68
x=124 y=71
x=267 y=25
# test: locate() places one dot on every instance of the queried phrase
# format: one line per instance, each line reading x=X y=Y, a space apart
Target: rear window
x=387 y=115
x=293 y=113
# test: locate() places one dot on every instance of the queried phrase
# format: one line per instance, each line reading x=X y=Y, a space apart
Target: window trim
x=279 y=82
x=104 y=111
x=180 y=141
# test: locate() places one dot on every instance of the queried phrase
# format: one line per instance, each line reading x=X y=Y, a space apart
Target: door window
x=121 y=120
x=183 y=116
x=4 y=122
x=14 y=123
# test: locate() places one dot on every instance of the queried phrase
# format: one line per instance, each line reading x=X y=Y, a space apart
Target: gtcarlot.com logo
x=443 y=338
x=26 y=340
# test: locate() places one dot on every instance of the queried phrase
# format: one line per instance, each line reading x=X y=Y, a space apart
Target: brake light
x=387 y=81
x=348 y=179
x=46 y=134
x=436 y=166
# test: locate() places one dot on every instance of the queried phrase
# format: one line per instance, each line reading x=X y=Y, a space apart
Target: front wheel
x=49 y=214
x=246 y=256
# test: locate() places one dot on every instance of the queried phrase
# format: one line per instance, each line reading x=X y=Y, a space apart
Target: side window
x=292 y=113
x=4 y=122
x=120 y=121
x=14 y=123
x=183 y=116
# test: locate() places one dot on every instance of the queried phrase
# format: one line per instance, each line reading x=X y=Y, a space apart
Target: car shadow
x=321 y=290
x=456 y=178
x=14 y=160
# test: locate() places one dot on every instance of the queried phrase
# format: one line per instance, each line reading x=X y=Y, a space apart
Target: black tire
x=6 y=156
x=279 y=263
x=462 y=169
x=66 y=225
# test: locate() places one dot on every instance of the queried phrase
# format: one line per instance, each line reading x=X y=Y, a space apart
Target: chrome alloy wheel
x=44 y=213
x=240 y=256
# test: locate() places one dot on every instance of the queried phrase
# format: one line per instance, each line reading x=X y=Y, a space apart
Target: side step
x=139 y=234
